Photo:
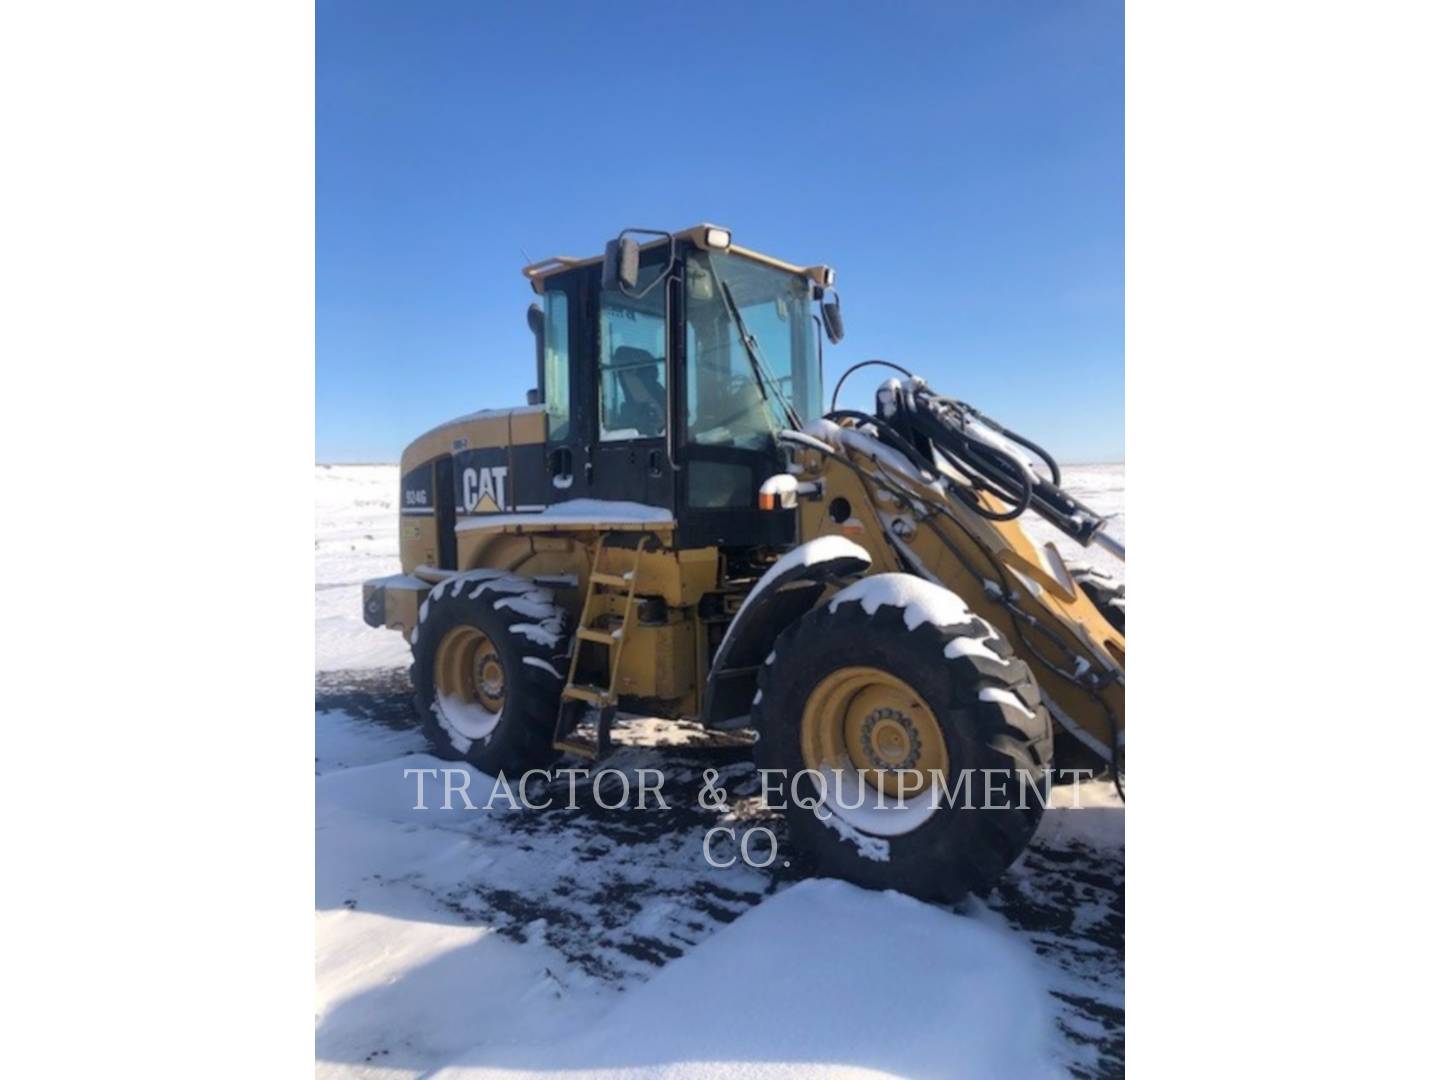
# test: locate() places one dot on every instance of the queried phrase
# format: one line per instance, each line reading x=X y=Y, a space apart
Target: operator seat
x=644 y=406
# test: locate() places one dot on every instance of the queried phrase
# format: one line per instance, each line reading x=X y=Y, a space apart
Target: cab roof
x=702 y=236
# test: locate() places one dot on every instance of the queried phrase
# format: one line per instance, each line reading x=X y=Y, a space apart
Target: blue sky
x=960 y=165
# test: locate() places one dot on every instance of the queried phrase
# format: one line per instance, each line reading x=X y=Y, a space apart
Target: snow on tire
x=897 y=678
x=489 y=655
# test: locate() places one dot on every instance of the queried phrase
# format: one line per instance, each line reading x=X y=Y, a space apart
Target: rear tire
x=866 y=662
x=489 y=653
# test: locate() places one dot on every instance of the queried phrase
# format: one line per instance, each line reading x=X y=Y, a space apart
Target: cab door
x=631 y=366
x=729 y=449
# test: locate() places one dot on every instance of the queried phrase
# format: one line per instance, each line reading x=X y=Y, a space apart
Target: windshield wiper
x=757 y=362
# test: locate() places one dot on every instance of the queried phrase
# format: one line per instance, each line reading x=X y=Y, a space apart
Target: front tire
x=1105 y=592
x=893 y=680
x=489 y=651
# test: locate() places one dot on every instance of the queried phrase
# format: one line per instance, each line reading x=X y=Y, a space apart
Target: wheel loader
x=677 y=525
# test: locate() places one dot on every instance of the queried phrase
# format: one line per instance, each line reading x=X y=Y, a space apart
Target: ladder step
x=600 y=637
x=575 y=734
x=595 y=695
x=615 y=581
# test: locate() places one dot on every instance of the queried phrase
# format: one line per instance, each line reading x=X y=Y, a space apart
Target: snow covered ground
x=519 y=943
x=356 y=537
x=1102 y=488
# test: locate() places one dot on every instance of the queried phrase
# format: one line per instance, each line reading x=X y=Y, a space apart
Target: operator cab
x=666 y=370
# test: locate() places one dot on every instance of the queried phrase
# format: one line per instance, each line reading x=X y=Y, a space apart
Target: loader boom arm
x=931 y=487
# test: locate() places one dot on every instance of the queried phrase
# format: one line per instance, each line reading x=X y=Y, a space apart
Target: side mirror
x=621 y=270
x=834 y=324
x=532 y=396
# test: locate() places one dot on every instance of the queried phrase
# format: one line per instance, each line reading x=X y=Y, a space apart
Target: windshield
x=734 y=393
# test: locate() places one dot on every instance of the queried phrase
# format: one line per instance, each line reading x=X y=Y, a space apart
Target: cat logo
x=483 y=490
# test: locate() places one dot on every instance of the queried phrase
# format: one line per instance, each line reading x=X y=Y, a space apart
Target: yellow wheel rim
x=866 y=719
x=468 y=669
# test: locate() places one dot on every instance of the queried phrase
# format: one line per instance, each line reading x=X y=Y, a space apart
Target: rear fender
x=787 y=591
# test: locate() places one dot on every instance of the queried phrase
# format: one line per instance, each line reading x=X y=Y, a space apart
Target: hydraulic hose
x=835 y=395
x=928 y=428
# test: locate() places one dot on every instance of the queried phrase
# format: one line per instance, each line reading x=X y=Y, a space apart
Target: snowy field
x=471 y=944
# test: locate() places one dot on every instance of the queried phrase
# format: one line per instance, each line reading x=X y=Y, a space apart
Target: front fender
x=787 y=591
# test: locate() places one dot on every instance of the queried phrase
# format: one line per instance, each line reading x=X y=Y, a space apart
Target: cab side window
x=633 y=403
x=557 y=365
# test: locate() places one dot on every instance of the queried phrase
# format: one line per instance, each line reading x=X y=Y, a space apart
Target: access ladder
x=600 y=625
